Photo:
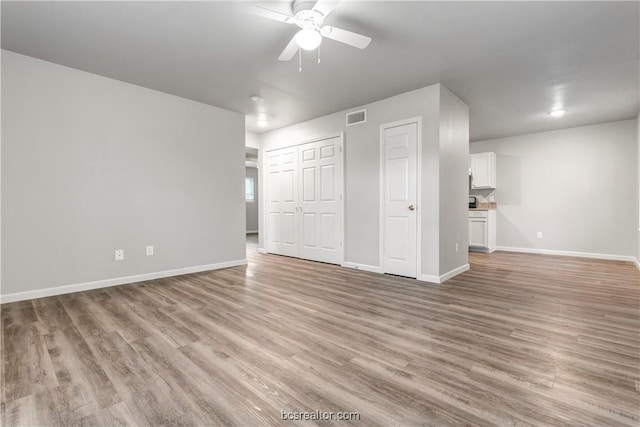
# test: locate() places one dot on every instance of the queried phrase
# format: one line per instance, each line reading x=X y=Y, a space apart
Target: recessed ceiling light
x=557 y=113
x=262 y=122
x=255 y=98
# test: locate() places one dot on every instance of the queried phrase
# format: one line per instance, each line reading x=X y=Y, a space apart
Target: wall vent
x=356 y=117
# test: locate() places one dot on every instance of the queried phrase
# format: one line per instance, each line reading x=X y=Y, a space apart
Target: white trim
x=418 y=121
x=67 y=289
x=637 y=263
x=429 y=278
x=262 y=251
x=446 y=276
x=567 y=253
x=363 y=267
x=252 y=231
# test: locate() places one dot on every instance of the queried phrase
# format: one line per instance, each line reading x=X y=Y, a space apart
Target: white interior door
x=400 y=199
x=282 y=202
x=320 y=165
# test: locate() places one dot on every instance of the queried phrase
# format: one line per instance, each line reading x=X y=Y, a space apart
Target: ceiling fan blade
x=289 y=52
x=346 y=37
x=325 y=6
x=269 y=14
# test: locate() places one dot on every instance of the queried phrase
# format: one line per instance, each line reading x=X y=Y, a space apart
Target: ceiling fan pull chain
x=299 y=60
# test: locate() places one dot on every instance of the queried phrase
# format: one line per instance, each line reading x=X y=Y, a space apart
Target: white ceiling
x=511 y=62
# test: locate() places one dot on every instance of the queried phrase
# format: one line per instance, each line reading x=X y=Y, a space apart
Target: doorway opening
x=251 y=196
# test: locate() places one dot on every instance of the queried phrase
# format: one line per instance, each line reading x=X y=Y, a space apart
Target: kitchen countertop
x=485 y=206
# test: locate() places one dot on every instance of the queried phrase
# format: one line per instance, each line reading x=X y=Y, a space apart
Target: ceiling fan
x=309 y=15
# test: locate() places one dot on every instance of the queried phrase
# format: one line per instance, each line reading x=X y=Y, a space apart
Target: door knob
x=412 y=208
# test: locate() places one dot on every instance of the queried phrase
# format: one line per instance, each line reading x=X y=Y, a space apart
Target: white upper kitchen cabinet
x=483 y=170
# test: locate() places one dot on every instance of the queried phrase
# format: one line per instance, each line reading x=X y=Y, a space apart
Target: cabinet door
x=483 y=170
x=478 y=232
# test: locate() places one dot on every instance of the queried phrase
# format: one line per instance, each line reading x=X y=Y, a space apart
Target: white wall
x=91 y=165
x=578 y=186
x=251 y=140
x=362 y=171
x=252 y=207
x=454 y=181
x=638 y=171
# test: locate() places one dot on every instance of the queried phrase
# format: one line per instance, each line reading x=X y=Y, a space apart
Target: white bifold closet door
x=282 y=201
x=304 y=207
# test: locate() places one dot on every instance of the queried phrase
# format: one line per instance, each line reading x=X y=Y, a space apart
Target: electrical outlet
x=539 y=235
x=456 y=247
x=149 y=250
x=119 y=255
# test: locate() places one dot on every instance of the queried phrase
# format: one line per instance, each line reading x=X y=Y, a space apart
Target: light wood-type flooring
x=518 y=340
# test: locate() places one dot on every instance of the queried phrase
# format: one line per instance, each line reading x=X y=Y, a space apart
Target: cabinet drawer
x=478 y=214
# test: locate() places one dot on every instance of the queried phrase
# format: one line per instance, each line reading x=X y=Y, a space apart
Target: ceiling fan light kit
x=308 y=39
x=309 y=16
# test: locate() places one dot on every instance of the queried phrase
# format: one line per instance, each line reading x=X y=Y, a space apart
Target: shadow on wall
x=508 y=180
x=515 y=237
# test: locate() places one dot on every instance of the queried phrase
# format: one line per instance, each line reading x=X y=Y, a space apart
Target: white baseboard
x=252 y=231
x=67 y=289
x=637 y=263
x=448 y=275
x=262 y=251
x=444 y=277
x=567 y=253
x=363 y=267
x=429 y=278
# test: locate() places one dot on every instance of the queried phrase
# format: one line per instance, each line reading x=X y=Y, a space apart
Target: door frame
x=265 y=190
x=418 y=121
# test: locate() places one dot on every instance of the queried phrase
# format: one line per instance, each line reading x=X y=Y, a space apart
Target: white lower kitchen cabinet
x=482 y=230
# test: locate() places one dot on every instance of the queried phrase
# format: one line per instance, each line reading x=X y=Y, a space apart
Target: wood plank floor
x=518 y=340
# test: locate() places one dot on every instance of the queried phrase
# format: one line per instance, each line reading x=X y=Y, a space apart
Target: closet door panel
x=282 y=202
x=321 y=163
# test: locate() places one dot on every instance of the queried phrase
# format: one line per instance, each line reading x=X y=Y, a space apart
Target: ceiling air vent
x=356 y=117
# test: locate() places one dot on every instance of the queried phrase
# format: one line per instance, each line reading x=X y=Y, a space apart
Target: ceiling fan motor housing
x=302 y=5
x=305 y=16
